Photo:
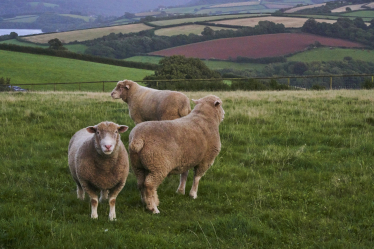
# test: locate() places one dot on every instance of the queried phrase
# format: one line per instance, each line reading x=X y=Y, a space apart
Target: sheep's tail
x=137 y=145
x=185 y=109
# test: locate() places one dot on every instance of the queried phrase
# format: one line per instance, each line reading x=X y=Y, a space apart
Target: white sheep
x=160 y=148
x=98 y=161
x=147 y=104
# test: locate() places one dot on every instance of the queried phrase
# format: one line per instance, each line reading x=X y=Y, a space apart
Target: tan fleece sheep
x=158 y=149
x=147 y=104
x=98 y=161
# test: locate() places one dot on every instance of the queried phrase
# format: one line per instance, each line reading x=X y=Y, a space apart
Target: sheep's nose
x=108 y=146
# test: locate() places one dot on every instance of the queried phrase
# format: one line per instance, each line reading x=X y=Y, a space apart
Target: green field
x=335 y=54
x=85 y=18
x=331 y=17
x=200 y=19
x=25 y=68
x=215 y=65
x=361 y=13
x=23 y=19
x=77 y=48
x=295 y=171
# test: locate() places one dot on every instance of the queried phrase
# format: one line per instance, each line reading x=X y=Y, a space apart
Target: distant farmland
x=87 y=34
x=288 y=22
x=185 y=30
x=254 y=46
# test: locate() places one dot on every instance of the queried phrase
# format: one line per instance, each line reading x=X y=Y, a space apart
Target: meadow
x=185 y=30
x=77 y=48
x=295 y=171
x=24 y=68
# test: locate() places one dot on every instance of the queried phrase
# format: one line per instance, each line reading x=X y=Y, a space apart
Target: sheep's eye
x=98 y=133
x=116 y=131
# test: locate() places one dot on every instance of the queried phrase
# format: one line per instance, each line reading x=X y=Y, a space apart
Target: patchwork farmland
x=288 y=22
x=254 y=46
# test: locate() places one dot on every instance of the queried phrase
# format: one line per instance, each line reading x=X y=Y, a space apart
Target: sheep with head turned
x=98 y=161
x=158 y=149
x=147 y=104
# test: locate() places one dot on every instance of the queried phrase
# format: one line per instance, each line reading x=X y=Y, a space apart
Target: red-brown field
x=257 y=46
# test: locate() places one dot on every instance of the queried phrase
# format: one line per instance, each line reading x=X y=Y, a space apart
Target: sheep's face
x=107 y=135
x=210 y=102
x=121 y=90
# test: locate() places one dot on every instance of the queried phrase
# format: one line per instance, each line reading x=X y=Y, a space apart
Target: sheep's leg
x=94 y=198
x=140 y=177
x=199 y=171
x=112 y=199
x=103 y=195
x=182 y=184
x=151 y=183
x=80 y=192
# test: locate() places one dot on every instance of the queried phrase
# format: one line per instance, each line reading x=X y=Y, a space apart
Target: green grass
x=201 y=19
x=77 y=48
x=25 y=68
x=23 y=19
x=336 y=54
x=295 y=171
x=361 y=13
x=85 y=18
x=210 y=63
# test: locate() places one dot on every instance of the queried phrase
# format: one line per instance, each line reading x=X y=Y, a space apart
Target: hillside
x=29 y=68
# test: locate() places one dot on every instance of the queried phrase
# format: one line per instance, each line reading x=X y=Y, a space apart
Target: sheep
x=98 y=161
x=147 y=104
x=161 y=148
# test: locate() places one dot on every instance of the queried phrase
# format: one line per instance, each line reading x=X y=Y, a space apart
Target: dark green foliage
x=215 y=85
x=263 y=60
x=368 y=84
x=344 y=28
x=248 y=85
x=274 y=85
x=56 y=44
x=299 y=68
x=207 y=31
x=318 y=87
x=71 y=55
x=4 y=84
x=12 y=35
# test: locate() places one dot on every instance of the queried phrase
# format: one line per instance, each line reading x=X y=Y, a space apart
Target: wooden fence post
x=330 y=83
x=79 y=86
x=55 y=88
x=103 y=86
x=288 y=82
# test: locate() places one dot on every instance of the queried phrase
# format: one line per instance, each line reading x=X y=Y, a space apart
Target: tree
x=180 y=67
x=348 y=9
x=207 y=31
x=56 y=44
x=300 y=68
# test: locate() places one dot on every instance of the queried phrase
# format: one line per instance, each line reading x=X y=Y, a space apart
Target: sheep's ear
x=195 y=101
x=217 y=103
x=122 y=128
x=91 y=129
x=127 y=86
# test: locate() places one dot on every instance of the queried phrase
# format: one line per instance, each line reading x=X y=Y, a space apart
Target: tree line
x=122 y=46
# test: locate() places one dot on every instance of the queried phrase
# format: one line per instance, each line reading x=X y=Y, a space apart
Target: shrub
x=188 y=85
x=248 y=84
x=274 y=85
x=368 y=84
x=4 y=84
x=318 y=87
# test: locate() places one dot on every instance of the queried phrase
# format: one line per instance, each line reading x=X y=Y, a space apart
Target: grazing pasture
x=343 y=8
x=87 y=34
x=185 y=30
x=200 y=19
x=77 y=48
x=30 y=68
x=288 y=22
x=257 y=46
x=295 y=171
x=304 y=7
x=235 y=4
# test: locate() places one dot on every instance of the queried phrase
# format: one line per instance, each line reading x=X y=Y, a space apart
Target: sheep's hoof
x=94 y=216
x=181 y=191
x=193 y=195
x=156 y=211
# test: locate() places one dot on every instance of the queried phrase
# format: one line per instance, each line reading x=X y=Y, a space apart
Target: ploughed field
x=295 y=171
x=257 y=46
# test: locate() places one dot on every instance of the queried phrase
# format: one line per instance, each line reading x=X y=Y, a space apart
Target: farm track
x=254 y=46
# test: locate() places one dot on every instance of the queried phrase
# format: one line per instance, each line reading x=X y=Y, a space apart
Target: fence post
x=372 y=78
x=330 y=83
x=288 y=82
x=55 y=88
x=157 y=84
x=79 y=86
x=103 y=86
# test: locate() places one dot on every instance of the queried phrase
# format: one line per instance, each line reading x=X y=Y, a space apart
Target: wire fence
x=312 y=82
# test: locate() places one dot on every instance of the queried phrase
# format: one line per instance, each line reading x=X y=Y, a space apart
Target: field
x=343 y=9
x=212 y=64
x=200 y=19
x=185 y=30
x=25 y=68
x=288 y=22
x=85 y=18
x=336 y=54
x=77 y=48
x=253 y=46
x=304 y=7
x=87 y=34
x=362 y=14
x=22 y=19
x=234 y=4
x=295 y=171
